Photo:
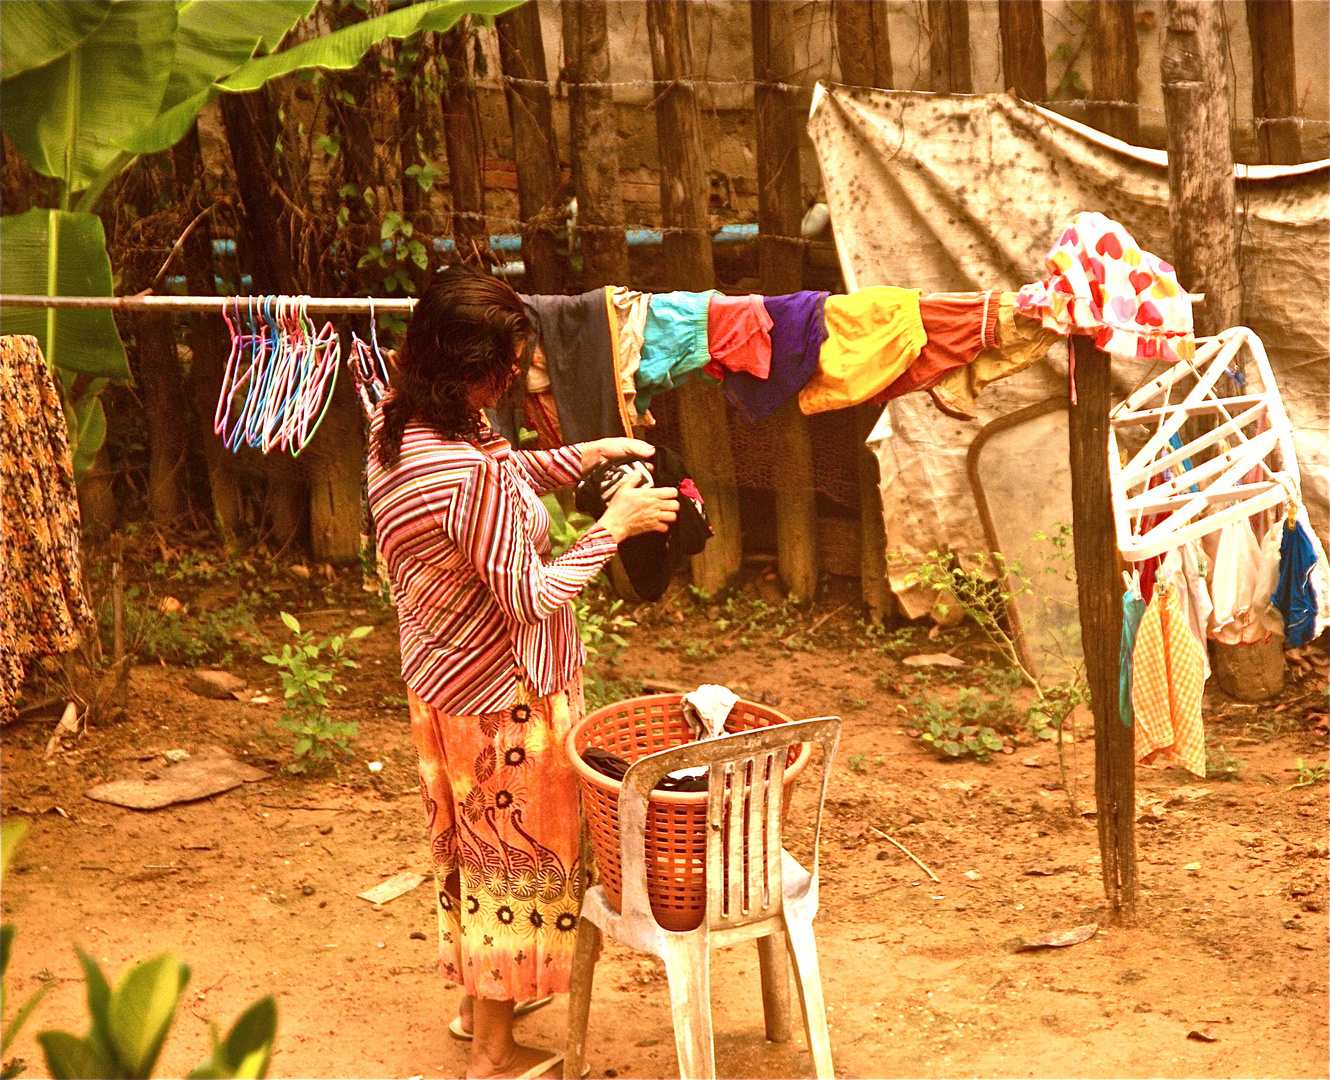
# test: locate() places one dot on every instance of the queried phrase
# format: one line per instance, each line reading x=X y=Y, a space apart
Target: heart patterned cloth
x=1100 y=282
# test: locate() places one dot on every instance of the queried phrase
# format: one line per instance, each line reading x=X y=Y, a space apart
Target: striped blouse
x=482 y=607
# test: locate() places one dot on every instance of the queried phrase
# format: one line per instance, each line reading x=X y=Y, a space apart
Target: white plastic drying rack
x=1220 y=480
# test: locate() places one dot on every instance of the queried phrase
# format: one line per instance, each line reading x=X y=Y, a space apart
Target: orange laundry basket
x=676 y=841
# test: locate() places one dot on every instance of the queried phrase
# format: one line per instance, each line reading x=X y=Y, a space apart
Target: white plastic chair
x=767 y=896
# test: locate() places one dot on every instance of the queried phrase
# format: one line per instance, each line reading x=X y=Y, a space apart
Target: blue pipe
x=511 y=243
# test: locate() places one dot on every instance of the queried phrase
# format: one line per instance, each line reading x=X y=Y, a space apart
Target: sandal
x=456 y=1030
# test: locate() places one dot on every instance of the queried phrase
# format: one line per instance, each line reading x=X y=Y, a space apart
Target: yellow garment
x=873 y=335
x=1167 y=681
x=628 y=321
x=1021 y=342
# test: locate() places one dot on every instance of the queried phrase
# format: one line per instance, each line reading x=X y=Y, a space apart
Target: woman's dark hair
x=469 y=330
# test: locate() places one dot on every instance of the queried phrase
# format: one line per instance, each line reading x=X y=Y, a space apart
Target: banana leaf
x=80 y=341
x=68 y=117
x=338 y=51
x=34 y=33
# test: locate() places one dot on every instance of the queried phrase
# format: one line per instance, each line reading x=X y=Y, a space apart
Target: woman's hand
x=635 y=510
x=593 y=453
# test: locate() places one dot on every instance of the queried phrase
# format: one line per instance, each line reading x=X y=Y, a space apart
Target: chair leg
x=585 y=951
x=775 y=971
x=803 y=953
x=688 y=966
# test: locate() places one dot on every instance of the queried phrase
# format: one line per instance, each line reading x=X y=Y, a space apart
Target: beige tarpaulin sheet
x=957 y=193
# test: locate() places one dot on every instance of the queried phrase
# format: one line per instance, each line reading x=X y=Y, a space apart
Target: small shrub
x=308 y=676
x=958 y=730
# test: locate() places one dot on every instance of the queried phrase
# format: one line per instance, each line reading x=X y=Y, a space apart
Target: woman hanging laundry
x=490 y=650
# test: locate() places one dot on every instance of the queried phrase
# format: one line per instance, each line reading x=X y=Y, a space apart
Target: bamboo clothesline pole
x=314 y=305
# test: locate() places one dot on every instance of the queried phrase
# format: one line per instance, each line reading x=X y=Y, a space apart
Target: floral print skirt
x=501 y=806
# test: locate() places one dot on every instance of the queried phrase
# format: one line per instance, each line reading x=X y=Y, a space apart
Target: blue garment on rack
x=1295 y=596
x=674 y=342
x=1175 y=441
x=1133 y=607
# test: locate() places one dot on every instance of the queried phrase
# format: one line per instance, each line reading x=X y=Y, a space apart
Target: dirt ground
x=256 y=888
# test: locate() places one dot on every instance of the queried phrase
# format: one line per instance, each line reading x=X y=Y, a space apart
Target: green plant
x=180 y=637
x=130 y=1024
x=858 y=763
x=308 y=674
x=1310 y=774
x=957 y=730
x=985 y=601
x=1219 y=763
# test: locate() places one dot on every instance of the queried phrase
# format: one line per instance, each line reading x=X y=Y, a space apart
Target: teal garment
x=1133 y=607
x=674 y=343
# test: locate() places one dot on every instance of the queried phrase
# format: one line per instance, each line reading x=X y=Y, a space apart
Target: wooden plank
x=1024 y=66
x=464 y=143
x=1114 y=59
x=703 y=424
x=863 y=41
x=1274 y=88
x=1099 y=593
x=594 y=135
x=535 y=150
x=949 y=46
x=778 y=119
x=1201 y=192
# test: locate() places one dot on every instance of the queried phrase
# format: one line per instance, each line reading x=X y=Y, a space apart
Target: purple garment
x=798 y=329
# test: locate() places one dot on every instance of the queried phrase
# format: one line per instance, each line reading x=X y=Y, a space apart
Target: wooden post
x=865 y=60
x=465 y=144
x=779 y=122
x=949 y=46
x=593 y=131
x=522 y=54
x=1024 y=66
x=872 y=529
x=1201 y=194
x=1274 y=90
x=252 y=127
x=208 y=351
x=1099 y=591
x=863 y=42
x=1114 y=58
x=703 y=424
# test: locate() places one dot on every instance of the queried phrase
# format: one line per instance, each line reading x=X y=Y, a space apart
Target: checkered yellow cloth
x=1168 y=678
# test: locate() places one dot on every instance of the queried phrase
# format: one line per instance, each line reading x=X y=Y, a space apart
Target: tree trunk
x=949 y=46
x=252 y=127
x=337 y=460
x=162 y=383
x=778 y=121
x=1274 y=90
x=687 y=253
x=1024 y=67
x=98 y=512
x=1114 y=58
x=465 y=143
x=594 y=154
x=863 y=42
x=1099 y=592
x=206 y=345
x=1201 y=194
x=522 y=54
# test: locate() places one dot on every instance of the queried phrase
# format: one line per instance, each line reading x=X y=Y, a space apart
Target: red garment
x=738 y=336
x=959 y=326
